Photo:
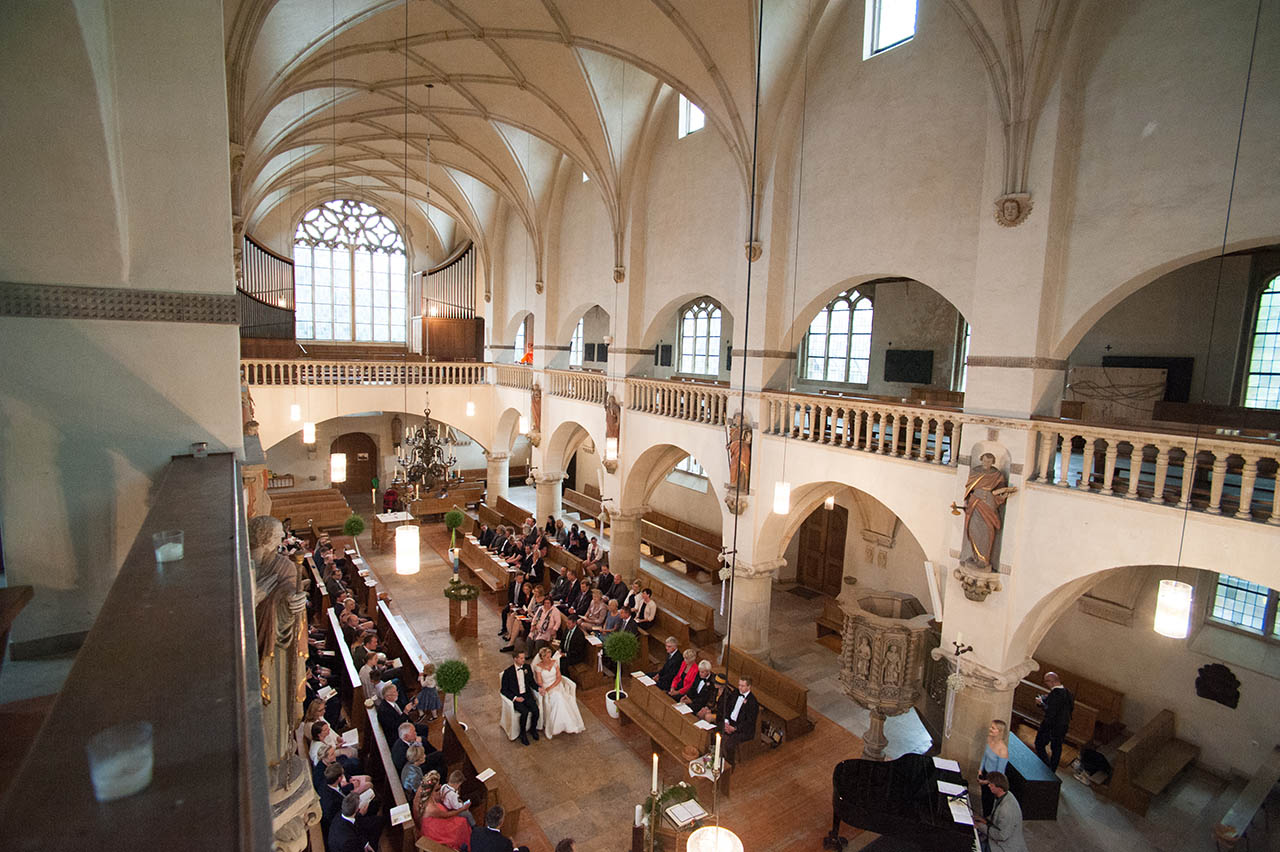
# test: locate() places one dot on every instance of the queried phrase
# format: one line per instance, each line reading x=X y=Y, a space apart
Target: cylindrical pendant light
x=337 y=467
x=1173 y=609
x=471 y=409
x=408 y=557
x=781 y=498
x=308 y=433
x=524 y=424
x=713 y=838
x=829 y=503
x=610 y=449
x=295 y=412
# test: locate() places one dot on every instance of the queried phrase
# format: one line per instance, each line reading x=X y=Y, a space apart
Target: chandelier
x=426 y=457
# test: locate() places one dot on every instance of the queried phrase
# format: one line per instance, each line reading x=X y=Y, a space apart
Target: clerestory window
x=889 y=24
x=350 y=275
x=691 y=118
x=1248 y=606
x=1262 y=383
x=700 y=325
x=837 y=347
x=575 y=345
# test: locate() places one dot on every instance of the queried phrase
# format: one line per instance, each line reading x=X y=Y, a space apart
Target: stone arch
x=563 y=443
x=505 y=431
x=651 y=468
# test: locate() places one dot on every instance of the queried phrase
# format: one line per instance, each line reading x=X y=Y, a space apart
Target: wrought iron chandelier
x=425 y=457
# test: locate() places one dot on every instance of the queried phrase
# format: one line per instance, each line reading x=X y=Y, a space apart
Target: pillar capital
x=494 y=458
x=743 y=569
x=627 y=515
x=984 y=677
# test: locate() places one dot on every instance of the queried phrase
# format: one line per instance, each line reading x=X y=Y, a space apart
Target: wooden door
x=821 y=557
x=362 y=461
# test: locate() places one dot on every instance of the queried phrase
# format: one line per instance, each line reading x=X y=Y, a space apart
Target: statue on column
x=985 y=494
x=535 y=414
x=280 y=601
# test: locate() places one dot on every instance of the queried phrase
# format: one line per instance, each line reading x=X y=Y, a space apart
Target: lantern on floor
x=1173 y=609
x=308 y=433
x=781 y=498
x=408 y=556
x=713 y=838
x=295 y=412
x=337 y=467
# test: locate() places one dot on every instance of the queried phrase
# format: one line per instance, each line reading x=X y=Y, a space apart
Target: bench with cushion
x=1147 y=762
x=782 y=699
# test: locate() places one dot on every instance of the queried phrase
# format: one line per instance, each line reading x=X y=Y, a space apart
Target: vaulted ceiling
x=341 y=99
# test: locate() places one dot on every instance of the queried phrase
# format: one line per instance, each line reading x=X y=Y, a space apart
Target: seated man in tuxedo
x=573 y=647
x=699 y=694
x=519 y=686
x=354 y=829
x=738 y=721
x=670 y=665
x=489 y=837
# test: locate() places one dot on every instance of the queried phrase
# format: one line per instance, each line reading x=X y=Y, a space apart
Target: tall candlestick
x=715 y=761
x=654 y=786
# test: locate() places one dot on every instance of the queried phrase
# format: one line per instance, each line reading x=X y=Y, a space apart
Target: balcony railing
x=514 y=376
x=871 y=426
x=255 y=372
x=1218 y=474
x=687 y=401
x=574 y=384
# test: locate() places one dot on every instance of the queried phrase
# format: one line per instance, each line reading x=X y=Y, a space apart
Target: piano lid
x=900 y=799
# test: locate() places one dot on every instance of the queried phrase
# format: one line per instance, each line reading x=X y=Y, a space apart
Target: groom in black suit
x=518 y=685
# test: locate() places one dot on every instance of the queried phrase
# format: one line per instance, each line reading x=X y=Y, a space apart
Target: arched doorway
x=362 y=461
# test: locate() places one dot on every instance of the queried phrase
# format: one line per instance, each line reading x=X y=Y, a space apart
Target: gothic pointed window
x=575 y=346
x=700 y=338
x=350 y=273
x=837 y=347
x=1262 y=384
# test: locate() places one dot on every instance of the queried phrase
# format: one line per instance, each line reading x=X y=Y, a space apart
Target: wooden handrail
x=261 y=247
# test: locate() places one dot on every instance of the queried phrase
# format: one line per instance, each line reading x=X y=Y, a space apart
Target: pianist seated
x=1002 y=830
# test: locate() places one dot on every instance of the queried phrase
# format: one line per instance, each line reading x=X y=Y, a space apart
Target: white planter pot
x=611 y=705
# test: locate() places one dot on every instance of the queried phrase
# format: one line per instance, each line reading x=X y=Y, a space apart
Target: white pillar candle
x=654 y=786
x=639 y=815
x=715 y=761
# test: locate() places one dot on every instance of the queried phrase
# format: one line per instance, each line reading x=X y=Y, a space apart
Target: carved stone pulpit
x=882 y=655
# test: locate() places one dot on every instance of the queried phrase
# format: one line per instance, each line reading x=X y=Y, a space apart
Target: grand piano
x=899 y=800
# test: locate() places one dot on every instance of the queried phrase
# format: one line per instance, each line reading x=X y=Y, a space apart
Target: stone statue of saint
x=862 y=663
x=535 y=407
x=892 y=666
x=984 y=496
x=612 y=417
x=280 y=601
x=738 y=446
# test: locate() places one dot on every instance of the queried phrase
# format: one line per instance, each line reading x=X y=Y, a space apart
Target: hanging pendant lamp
x=1173 y=609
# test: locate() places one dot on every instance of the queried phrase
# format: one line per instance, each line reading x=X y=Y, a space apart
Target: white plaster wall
x=1155 y=672
x=584 y=264
x=1176 y=316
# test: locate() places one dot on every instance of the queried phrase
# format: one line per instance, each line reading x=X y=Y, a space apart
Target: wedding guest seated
x=351 y=619
x=573 y=645
x=613 y=617
x=593 y=617
x=451 y=795
x=686 y=675
x=408 y=736
x=613 y=586
x=436 y=820
x=544 y=626
x=486 y=535
x=371 y=674
x=489 y=837
x=578 y=546
x=580 y=601
x=323 y=756
x=354 y=829
x=562 y=534
x=537 y=564
x=348 y=756
x=331 y=790
x=518 y=617
x=633 y=595
x=628 y=620
x=647 y=611
x=564 y=587
x=550 y=526
x=499 y=539
x=391 y=715
x=411 y=773
x=670 y=665
x=700 y=694
x=366 y=643
x=710 y=711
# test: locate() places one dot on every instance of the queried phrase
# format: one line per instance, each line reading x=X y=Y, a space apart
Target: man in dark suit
x=346 y=833
x=1058 y=705
x=391 y=715
x=498 y=540
x=486 y=536
x=670 y=665
x=516 y=598
x=699 y=695
x=408 y=736
x=573 y=647
x=519 y=686
x=333 y=788
x=565 y=586
x=628 y=621
x=489 y=837
x=738 y=722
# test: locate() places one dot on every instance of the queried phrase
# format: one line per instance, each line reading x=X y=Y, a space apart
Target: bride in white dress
x=560 y=712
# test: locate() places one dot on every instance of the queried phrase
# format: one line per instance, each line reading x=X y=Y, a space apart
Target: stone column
x=752 y=597
x=550 y=488
x=497 y=474
x=624 y=541
x=985 y=695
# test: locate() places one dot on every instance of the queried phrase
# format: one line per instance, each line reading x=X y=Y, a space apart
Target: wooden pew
x=588 y=508
x=347 y=679
x=668 y=729
x=831 y=620
x=462 y=751
x=1107 y=703
x=685 y=618
x=376 y=756
x=780 y=697
x=1084 y=717
x=710 y=538
x=1147 y=762
x=489 y=516
x=481 y=565
x=1235 y=824
x=458 y=497
x=696 y=556
x=514 y=514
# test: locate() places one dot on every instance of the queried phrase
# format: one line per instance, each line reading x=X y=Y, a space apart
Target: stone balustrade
x=576 y=384
x=872 y=426
x=257 y=372
x=514 y=376
x=1215 y=473
x=689 y=401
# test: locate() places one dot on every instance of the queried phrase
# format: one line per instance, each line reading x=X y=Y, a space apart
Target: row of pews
x=461 y=750
x=316 y=511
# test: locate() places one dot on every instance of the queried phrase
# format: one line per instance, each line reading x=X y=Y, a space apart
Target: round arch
x=506 y=430
x=567 y=438
x=650 y=469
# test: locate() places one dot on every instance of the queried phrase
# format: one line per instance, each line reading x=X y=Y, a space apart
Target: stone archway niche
x=883 y=649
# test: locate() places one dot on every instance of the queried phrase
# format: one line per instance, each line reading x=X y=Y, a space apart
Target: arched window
x=1262 y=384
x=837 y=347
x=575 y=346
x=350 y=275
x=521 y=332
x=700 y=338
